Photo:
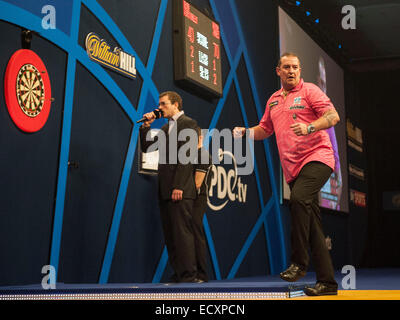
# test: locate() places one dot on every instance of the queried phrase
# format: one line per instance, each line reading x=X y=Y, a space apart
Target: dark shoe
x=293 y=273
x=202 y=276
x=321 y=289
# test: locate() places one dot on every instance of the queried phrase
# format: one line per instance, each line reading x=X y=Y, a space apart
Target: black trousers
x=199 y=208
x=177 y=223
x=306 y=226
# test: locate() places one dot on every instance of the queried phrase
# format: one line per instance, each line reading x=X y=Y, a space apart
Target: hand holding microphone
x=149 y=117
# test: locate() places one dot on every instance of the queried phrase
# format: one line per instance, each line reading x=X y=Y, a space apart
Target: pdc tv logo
x=225 y=185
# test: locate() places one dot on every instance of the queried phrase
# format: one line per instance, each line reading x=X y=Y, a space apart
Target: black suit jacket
x=173 y=174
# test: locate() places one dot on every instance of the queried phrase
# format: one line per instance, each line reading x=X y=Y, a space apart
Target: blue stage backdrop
x=71 y=194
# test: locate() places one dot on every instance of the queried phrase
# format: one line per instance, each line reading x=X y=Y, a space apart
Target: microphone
x=156 y=112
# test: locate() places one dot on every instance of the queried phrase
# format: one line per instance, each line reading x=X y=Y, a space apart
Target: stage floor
x=374 y=284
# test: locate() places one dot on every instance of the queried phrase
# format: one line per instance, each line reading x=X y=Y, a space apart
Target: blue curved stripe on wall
x=276 y=251
x=132 y=147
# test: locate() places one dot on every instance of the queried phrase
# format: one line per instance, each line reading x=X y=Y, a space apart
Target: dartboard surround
x=27 y=90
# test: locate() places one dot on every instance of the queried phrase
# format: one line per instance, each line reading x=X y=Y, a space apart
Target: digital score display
x=197 y=50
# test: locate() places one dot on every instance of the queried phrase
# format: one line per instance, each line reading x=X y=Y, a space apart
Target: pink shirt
x=305 y=103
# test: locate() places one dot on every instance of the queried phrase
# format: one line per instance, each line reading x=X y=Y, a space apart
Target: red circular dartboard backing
x=27 y=90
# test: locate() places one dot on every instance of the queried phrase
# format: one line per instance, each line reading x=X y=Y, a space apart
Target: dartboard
x=27 y=90
x=30 y=90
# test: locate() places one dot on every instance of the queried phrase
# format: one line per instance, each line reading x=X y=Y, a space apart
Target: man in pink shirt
x=298 y=114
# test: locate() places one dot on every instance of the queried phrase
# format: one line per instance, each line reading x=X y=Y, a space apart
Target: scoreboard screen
x=197 y=49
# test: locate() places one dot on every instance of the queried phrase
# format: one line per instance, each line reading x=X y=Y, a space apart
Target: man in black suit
x=176 y=183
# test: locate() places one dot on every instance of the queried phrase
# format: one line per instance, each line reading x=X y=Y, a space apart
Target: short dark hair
x=287 y=54
x=173 y=97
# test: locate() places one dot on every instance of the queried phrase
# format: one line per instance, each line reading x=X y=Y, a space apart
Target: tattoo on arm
x=330 y=117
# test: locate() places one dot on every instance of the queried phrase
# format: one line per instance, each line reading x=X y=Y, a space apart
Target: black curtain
x=375 y=100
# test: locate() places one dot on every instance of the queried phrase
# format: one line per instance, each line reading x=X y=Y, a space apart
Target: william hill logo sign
x=98 y=50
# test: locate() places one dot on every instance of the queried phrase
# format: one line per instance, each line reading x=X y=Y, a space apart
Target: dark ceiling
x=374 y=44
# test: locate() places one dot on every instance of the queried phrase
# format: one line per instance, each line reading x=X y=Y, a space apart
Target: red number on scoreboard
x=190 y=34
